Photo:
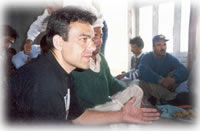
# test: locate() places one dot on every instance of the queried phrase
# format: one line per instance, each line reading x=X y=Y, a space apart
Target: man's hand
x=119 y=77
x=132 y=114
x=168 y=82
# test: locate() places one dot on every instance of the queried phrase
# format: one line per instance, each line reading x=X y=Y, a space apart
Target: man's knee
x=136 y=91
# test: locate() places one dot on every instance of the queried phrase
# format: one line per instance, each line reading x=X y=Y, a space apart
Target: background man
x=23 y=57
x=137 y=45
x=97 y=88
x=160 y=72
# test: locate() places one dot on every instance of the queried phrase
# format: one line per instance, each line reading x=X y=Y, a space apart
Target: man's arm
x=127 y=114
x=19 y=59
x=35 y=27
x=114 y=85
x=145 y=71
x=180 y=73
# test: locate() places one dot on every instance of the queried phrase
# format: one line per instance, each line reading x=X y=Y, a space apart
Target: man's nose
x=163 y=46
x=99 y=41
x=92 y=46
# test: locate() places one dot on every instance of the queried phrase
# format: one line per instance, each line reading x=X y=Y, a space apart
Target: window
x=145 y=27
x=170 y=18
x=166 y=22
x=116 y=49
x=185 y=14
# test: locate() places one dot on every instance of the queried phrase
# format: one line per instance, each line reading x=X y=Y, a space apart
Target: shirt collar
x=53 y=60
x=139 y=55
x=95 y=66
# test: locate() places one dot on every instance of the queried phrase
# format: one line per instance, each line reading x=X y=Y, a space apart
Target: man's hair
x=43 y=44
x=59 y=21
x=137 y=41
x=9 y=31
x=12 y=51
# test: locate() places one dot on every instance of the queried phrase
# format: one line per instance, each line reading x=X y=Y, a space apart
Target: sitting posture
x=160 y=72
x=97 y=88
x=137 y=45
x=43 y=90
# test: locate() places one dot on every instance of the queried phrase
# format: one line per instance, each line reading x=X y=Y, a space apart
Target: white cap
x=54 y=3
x=86 y=6
x=99 y=21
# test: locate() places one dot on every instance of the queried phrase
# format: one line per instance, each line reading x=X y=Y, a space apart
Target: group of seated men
x=48 y=88
x=158 y=73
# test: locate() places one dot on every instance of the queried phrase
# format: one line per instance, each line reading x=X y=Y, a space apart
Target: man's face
x=160 y=48
x=77 y=51
x=97 y=39
x=135 y=49
x=27 y=48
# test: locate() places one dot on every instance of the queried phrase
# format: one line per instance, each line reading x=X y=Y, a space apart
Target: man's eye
x=94 y=38
x=84 y=39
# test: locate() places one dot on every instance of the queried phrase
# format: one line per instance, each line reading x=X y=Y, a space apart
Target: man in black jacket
x=43 y=89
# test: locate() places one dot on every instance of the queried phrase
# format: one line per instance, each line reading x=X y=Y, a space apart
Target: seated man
x=96 y=88
x=30 y=51
x=137 y=45
x=160 y=72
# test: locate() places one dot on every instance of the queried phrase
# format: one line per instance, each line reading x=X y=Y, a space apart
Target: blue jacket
x=152 y=69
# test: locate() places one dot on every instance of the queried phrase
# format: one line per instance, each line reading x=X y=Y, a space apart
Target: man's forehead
x=134 y=45
x=81 y=29
x=98 y=30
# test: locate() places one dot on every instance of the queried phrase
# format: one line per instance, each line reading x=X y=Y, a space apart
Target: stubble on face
x=79 y=47
x=160 y=48
x=136 y=50
x=97 y=40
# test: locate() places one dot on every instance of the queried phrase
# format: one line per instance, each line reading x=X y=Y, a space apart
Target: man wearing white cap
x=96 y=88
x=39 y=25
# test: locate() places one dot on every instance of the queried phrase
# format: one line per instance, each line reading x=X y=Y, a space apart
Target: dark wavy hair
x=10 y=31
x=137 y=41
x=59 y=21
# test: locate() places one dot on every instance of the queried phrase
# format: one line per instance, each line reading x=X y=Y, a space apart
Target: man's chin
x=95 y=53
x=85 y=67
x=162 y=54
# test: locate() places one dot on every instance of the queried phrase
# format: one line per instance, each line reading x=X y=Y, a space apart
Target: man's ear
x=57 y=42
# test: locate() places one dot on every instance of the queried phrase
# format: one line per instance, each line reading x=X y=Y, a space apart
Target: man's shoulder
x=103 y=59
x=148 y=54
x=101 y=55
x=35 y=65
x=170 y=56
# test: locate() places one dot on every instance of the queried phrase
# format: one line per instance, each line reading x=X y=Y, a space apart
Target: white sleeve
x=36 y=26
